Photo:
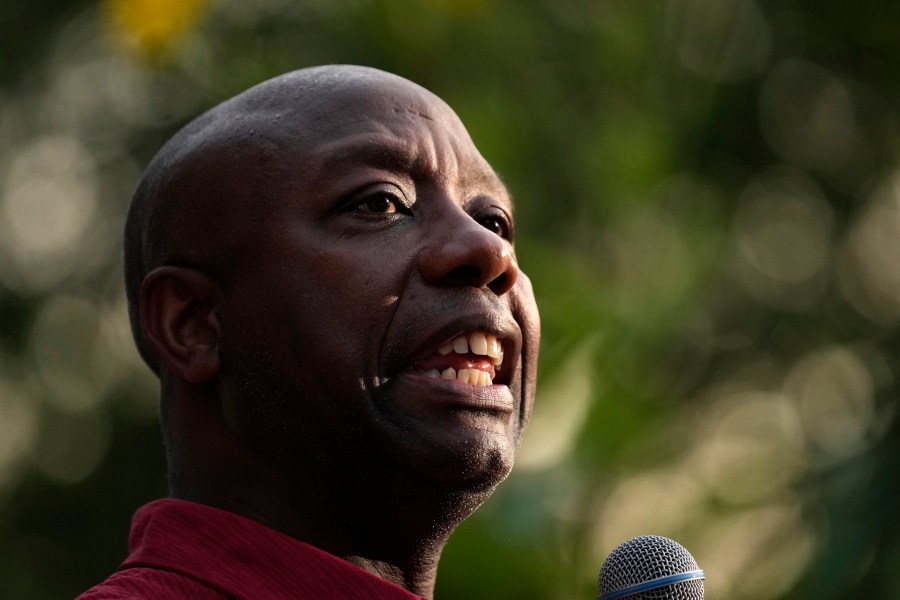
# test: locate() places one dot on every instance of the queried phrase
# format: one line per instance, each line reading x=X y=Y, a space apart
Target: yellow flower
x=153 y=28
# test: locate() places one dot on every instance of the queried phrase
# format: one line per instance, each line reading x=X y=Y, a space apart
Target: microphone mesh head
x=644 y=559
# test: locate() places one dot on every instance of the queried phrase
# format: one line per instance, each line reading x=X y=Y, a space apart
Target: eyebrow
x=381 y=155
x=397 y=158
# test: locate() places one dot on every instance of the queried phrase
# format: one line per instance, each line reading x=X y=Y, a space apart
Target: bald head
x=247 y=149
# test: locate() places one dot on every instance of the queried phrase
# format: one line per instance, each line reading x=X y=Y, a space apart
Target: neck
x=391 y=527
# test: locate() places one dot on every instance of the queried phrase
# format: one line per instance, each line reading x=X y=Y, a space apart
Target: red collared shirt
x=181 y=550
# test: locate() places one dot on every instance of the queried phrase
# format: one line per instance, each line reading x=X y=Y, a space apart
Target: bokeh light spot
x=807 y=115
x=648 y=255
x=561 y=405
x=753 y=448
x=758 y=553
x=659 y=502
x=834 y=390
x=18 y=427
x=783 y=236
x=869 y=270
x=69 y=351
x=50 y=196
x=723 y=40
x=48 y=206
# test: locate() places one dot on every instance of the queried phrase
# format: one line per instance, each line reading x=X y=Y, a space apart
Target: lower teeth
x=470 y=376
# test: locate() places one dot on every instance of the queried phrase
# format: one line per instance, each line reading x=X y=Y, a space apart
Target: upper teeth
x=478 y=342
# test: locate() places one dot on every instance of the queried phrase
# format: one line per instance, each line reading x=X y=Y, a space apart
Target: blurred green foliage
x=708 y=204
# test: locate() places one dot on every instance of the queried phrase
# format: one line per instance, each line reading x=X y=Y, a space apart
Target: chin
x=453 y=438
x=475 y=464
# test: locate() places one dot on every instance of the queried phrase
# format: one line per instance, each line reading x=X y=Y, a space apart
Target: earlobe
x=178 y=319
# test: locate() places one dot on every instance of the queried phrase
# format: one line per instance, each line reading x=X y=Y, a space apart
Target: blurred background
x=708 y=196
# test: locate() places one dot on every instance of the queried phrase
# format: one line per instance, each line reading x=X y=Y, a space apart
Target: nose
x=461 y=252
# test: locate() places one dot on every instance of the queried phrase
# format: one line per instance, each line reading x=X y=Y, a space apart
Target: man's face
x=375 y=313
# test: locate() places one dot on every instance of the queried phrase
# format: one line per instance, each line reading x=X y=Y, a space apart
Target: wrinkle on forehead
x=431 y=153
x=417 y=113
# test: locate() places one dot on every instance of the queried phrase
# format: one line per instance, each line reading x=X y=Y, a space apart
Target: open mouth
x=473 y=358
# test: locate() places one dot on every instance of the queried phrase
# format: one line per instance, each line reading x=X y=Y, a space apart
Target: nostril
x=499 y=285
x=464 y=275
x=498 y=277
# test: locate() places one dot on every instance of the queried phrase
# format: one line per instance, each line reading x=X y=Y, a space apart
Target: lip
x=496 y=398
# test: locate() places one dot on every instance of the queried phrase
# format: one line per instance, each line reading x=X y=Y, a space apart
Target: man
x=321 y=272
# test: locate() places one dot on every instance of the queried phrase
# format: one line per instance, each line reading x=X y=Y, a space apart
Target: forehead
x=408 y=131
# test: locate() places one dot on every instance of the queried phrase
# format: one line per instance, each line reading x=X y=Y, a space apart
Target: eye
x=380 y=202
x=497 y=221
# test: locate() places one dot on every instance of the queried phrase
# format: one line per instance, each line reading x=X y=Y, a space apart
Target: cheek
x=292 y=363
x=336 y=312
x=357 y=285
x=321 y=314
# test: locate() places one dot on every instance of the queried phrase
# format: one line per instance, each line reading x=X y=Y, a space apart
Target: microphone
x=650 y=567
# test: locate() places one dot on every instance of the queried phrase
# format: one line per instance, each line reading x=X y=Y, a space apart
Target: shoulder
x=141 y=583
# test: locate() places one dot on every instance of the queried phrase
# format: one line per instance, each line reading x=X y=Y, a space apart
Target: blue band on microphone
x=653 y=584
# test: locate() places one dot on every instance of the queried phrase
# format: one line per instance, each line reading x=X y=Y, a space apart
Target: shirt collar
x=243 y=558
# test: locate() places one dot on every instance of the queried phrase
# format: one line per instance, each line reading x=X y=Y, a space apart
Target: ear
x=178 y=319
